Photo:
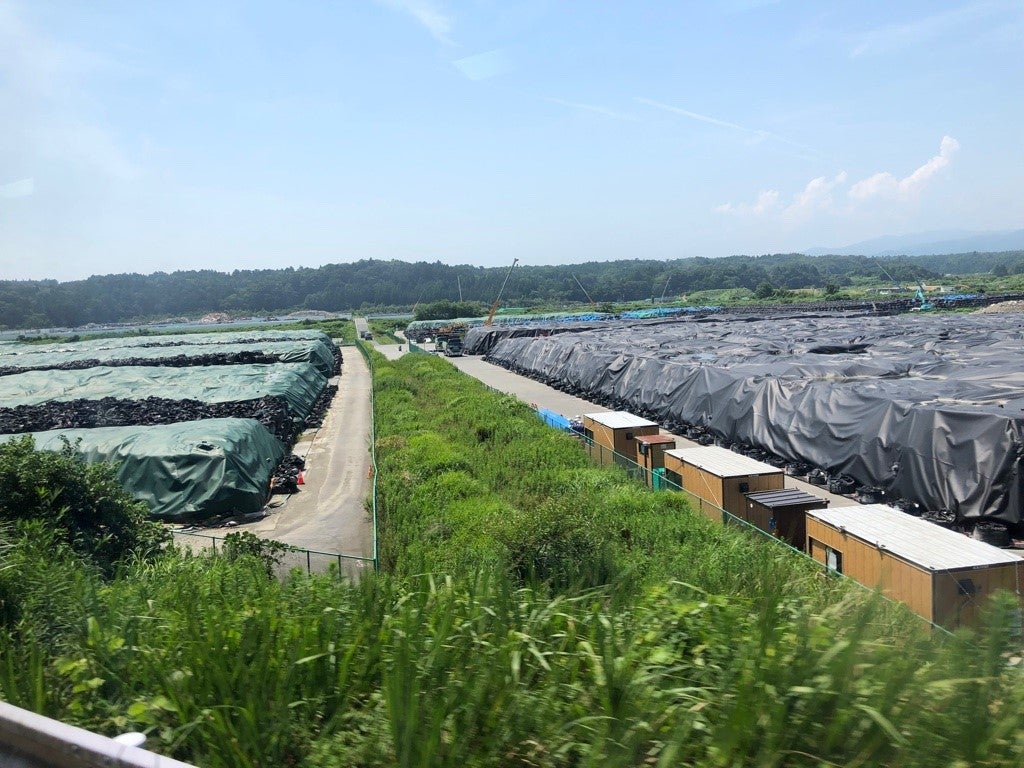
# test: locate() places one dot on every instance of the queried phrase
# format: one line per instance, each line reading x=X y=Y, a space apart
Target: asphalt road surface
x=329 y=513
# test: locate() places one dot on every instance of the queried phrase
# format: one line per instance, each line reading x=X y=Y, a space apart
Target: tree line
x=397 y=284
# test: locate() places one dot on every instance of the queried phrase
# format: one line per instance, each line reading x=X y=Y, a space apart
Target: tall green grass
x=517 y=626
x=225 y=667
x=469 y=478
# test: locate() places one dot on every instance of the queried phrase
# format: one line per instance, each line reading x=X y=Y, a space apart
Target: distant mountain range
x=929 y=243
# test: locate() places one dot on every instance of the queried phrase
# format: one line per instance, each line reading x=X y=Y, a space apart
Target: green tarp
x=311 y=351
x=298 y=383
x=192 y=470
x=189 y=339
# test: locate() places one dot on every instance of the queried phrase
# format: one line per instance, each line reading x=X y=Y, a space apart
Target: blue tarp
x=556 y=420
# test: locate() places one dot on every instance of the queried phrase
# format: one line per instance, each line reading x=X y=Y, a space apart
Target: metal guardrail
x=28 y=740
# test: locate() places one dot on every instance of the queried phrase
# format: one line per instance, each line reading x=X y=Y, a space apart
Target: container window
x=833 y=559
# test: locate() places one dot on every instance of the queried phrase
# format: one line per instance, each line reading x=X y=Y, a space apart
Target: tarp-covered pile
x=196 y=350
x=297 y=384
x=928 y=407
x=421 y=330
x=196 y=422
x=195 y=469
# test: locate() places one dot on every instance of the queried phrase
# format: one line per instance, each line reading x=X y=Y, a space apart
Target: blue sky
x=139 y=137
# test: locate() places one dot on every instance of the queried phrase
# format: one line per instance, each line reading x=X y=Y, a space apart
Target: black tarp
x=929 y=407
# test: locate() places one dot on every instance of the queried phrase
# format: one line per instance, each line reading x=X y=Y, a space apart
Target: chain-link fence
x=293 y=558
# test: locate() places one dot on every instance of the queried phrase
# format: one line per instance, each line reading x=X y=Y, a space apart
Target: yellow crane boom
x=497 y=301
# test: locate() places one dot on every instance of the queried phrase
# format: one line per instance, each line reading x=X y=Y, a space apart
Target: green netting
x=315 y=351
x=190 y=470
x=298 y=383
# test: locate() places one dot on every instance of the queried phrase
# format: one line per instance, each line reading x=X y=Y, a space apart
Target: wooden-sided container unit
x=782 y=513
x=940 y=574
x=650 y=453
x=615 y=432
x=721 y=476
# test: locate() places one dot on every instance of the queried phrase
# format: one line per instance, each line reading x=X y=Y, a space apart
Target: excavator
x=494 y=307
x=925 y=306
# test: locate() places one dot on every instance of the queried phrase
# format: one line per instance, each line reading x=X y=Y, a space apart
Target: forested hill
x=365 y=284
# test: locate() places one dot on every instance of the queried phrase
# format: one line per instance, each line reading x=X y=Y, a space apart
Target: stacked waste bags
x=927 y=407
x=196 y=427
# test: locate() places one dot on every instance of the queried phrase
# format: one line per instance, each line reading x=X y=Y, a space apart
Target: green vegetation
x=373 y=285
x=449 y=310
x=81 y=505
x=383 y=329
x=345 y=330
x=539 y=611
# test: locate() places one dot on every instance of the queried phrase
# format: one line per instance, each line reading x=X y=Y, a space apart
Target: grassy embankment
x=681 y=643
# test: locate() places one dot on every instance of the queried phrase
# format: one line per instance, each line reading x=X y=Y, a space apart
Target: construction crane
x=583 y=289
x=497 y=301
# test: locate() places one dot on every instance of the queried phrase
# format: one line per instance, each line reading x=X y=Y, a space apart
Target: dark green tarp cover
x=191 y=470
x=308 y=346
x=191 y=339
x=318 y=351
x=298 y=383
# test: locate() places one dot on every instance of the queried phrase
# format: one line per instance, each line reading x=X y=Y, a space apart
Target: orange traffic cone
x=301 y=479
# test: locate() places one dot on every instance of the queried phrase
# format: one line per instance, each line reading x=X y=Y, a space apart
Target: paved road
x=362 y=326
x=329 y=512
x=391 y=351
x=534 y=392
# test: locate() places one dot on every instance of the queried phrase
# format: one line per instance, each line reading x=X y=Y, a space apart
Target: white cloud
x=885 y=185
x=896 y=37
x=484 y=66
x=757 y=134
x=595 y=108
x=428 y=14
x=767 y=204
x=818 y=195
x=21 y=188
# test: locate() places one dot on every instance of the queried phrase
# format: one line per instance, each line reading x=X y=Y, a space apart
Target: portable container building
x=650 y=453
x=612 y=435
x=782 y=513
x=721 y=476
x=940 y=574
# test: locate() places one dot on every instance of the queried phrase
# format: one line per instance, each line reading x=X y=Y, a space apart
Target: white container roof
x=620 y=420
x=913 y=539
x=723 y=462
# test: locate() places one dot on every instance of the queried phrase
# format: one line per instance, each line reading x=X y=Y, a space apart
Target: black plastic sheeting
x=927 y=407
x=480 y=340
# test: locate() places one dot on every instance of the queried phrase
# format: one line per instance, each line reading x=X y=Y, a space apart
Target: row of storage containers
x=941 y=575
